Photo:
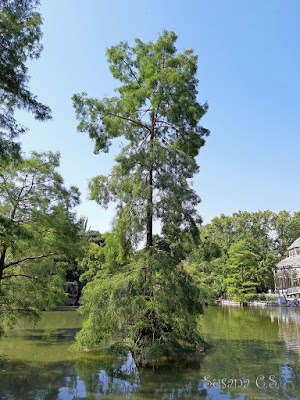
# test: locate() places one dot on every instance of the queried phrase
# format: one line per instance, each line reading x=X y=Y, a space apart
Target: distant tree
x=83 y=261
x=91 y=258
x=242 y=272
x=287 y=229
x=37 y=231
x=158 y=114
x=206 y=263
x=20 y=40
x=209 y=259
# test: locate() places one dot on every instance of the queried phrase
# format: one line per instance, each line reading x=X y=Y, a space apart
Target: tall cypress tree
x=158 y=114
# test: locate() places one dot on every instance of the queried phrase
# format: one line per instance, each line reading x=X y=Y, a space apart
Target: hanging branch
x=30 y=258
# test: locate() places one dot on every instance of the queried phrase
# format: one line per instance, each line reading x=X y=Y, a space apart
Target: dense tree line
x=238 y=254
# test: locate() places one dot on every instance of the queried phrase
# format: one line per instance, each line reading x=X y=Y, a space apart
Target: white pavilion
x=287 y=276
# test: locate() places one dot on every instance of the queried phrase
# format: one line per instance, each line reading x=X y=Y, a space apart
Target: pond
x=255 y=355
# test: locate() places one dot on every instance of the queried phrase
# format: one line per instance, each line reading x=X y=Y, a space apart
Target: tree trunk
x=2 y=265
x=4 y=250
x=150 y=199
x=150 y=212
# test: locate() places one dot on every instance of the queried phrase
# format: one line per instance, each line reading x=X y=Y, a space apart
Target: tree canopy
x=158 y=114
x=241 y=249
x=37 y=231
x=20 y=40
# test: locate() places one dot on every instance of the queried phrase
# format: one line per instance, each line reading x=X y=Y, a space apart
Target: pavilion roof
x=295 y=244
x=289 y=262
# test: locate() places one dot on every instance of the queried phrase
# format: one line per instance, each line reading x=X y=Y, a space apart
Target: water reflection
x=289 y=327
x=255 y=356
x=117 y=377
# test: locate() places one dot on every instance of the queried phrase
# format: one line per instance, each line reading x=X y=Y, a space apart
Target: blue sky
x=248 y=71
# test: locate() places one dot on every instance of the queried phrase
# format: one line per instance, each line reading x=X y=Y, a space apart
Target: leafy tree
x=82 y=260
x=152 y=300
x=210 y=257
x=242 y=272
x=255 y=227
x=92 y=257
x=158 y=114
x=287 y=229
x=205 y=263
x=20 y=40
x=37 y=231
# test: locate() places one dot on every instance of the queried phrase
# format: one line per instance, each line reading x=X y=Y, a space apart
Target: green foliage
x=266 y=236
x=158 y=115
x=20 y=40
x=37 y=232
x=151 y=300
x=206 y=264
x=146 y=295
x=91 y=262
x=241 y=271
x=287 y=228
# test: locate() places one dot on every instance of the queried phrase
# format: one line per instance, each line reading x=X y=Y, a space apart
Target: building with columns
x=287 y=276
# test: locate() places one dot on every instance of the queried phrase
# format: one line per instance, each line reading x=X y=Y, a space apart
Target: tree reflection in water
x=249 y=343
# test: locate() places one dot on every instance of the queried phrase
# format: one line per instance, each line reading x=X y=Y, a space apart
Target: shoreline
x=256 y=303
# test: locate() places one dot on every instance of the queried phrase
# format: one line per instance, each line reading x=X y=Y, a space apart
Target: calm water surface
x=256 y=355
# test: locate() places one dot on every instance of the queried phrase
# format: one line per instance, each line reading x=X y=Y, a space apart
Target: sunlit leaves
x=20 y=40
x=158 y=94
x=37 y=232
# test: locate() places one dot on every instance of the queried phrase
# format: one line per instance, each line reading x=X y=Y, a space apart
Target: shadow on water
x=55 y=336
x=255 y=356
